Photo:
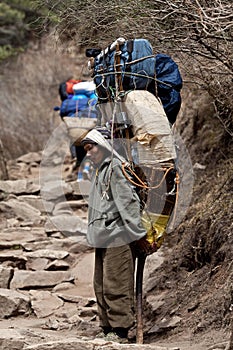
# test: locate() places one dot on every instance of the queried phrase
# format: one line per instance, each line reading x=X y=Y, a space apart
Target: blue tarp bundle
x=169 y=84
x=139 y=68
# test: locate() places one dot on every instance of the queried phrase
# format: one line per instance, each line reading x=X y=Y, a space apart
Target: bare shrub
x=29 y=92
x=198 y=33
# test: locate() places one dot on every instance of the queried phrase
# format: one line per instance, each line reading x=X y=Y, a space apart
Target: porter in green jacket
x=114 y=207
x=114 y=221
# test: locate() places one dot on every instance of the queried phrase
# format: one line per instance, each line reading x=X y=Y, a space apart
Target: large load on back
x=139 y=99
x=78 y=107
x=131 y=65
x=150 y=128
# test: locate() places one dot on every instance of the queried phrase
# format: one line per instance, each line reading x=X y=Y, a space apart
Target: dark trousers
x=114 y=286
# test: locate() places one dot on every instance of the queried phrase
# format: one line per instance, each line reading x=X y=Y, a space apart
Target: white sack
x=151 y=127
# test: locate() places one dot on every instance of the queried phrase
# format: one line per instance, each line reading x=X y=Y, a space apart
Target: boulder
x=6 y=275
x=23 y=186
x=31 y=157
x=47 y=253
x=14 y=258
x=38 y=203
x=95 y=344
x=69 y=225
x=11 y=339
x=71 y=344
x=58 y=265
x=44 y=303
x=22 y=211
x=13 y=303
x=54 y=190
x=13 y=236
x=37 y=264
x=39 y=279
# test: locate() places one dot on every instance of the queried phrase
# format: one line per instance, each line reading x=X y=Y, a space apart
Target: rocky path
x=46 y=268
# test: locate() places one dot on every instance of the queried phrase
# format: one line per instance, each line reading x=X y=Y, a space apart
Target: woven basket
x=78 y=128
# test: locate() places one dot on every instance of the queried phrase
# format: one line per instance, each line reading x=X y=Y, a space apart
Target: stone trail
x=46 y=268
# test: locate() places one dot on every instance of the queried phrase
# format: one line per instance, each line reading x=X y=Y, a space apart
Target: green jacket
x=114 y=208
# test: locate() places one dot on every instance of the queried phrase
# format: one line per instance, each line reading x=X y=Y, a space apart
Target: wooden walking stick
x=118 y=76
x=139 y=284
x=120 y=91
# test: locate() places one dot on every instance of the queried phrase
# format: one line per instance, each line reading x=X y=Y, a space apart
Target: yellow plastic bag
x=155 y=225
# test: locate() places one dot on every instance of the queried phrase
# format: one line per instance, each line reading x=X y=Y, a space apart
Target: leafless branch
x=199 y=32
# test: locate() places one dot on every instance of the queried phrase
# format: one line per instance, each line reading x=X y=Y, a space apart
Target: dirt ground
x=36 y=329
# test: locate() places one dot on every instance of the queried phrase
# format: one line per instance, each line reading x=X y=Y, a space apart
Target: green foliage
x=20 y=21
x=21 y=5
x=9 y=15
x=7 y=51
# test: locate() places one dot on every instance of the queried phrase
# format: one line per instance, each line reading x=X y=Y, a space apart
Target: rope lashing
x=102 y=74
x=129 y=63
x=176 y=199
x=141 y=183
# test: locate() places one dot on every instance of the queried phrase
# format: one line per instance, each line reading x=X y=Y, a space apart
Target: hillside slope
x=192 y=290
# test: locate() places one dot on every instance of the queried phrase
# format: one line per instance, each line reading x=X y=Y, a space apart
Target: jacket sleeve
x=128 y=203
